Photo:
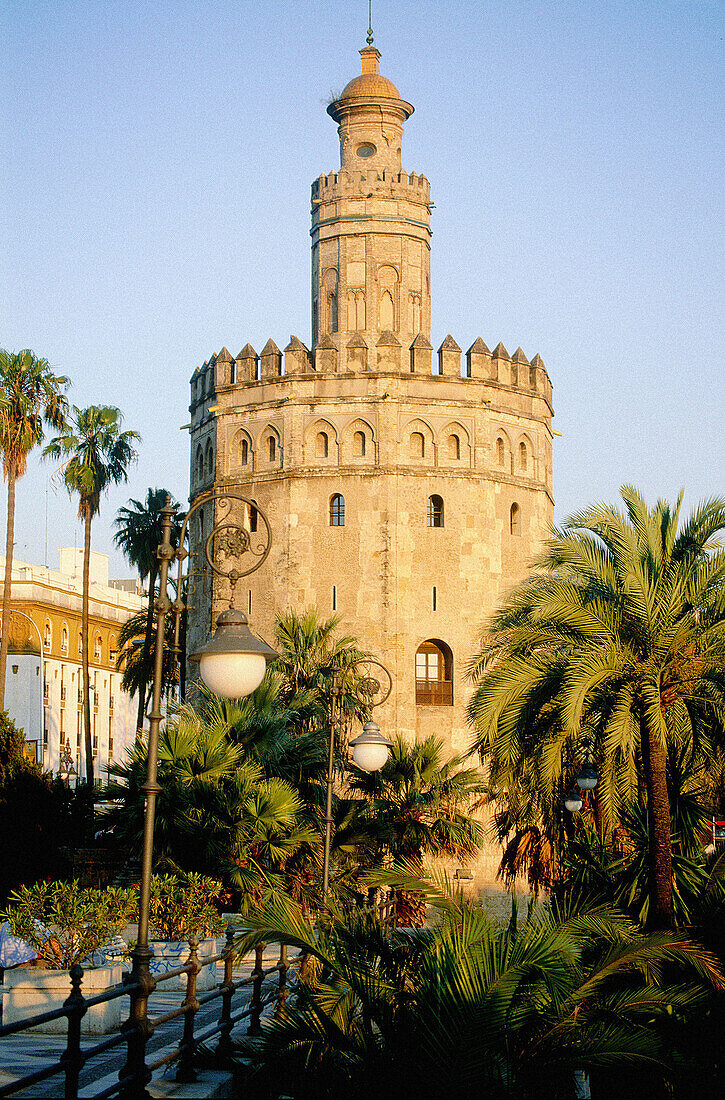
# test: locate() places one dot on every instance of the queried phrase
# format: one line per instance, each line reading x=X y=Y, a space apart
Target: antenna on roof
x=370 y=22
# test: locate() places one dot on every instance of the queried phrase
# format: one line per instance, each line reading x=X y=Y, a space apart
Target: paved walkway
x=25 y=1053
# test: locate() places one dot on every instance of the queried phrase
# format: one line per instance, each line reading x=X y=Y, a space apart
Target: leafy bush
x=64 y=922
x=181 y=907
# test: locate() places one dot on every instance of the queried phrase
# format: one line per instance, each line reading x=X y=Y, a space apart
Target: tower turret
x=370 y=225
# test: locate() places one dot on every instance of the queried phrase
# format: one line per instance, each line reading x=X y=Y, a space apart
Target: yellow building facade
x=407 y=489
x=44 y=678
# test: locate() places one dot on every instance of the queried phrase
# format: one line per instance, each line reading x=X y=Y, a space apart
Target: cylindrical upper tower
x=370 y=230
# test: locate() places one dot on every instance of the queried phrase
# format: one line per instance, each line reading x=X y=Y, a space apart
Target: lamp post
x=586 y=780
x=372 y=686
x=232 y=664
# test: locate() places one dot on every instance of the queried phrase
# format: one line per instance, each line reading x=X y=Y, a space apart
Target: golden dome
x=369 y=86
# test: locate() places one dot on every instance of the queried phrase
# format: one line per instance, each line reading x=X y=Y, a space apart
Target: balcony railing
x=136 y=1071
x=437 y=693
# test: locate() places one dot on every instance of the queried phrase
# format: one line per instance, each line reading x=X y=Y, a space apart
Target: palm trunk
x=9 y=539
x=654 y=758
x=84 y=635
x=146 y=649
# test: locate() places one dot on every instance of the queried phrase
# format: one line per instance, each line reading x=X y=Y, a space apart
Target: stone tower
x=370 y=225
x=405 y=495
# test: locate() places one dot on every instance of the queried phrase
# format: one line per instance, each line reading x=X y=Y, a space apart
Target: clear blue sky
x=158 y=159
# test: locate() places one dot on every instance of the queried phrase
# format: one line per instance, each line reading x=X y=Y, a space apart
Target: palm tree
x=97 y=454
x=617 y=639
x=138 y=534
x=310 y=653
x=470 y=1009
x=30 y=395
x=137 y=666
x=418 y=804
x=217 y=812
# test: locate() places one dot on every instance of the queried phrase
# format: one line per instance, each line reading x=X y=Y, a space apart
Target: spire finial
x=370 y=22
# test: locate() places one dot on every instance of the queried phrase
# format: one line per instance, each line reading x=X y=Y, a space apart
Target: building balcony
x=436 y=693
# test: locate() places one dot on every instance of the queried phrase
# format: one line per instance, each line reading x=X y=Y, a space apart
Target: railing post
x=186 y=1071
x=255 y=1028
x=283 y=968
x=73 y=1057
x=138 y=1027
x=224 y=1046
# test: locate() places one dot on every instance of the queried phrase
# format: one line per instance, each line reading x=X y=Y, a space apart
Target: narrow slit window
x=334 y=597
x=244 y=453
x=523 y=457
x=515 y=519
x=249 y=602
x=435 y=598
x=272 y=448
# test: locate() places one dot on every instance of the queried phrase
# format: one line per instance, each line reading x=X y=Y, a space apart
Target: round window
x=366 y=150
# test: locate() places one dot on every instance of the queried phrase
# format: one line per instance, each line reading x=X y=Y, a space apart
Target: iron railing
x=434 y=692
x=138 y=1029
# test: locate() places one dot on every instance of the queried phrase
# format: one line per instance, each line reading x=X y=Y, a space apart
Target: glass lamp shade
x=233 y=663
x=370 y=749
x=588 y=777
x=573 y=801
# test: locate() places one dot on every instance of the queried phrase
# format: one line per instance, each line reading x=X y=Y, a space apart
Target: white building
x=44 y=678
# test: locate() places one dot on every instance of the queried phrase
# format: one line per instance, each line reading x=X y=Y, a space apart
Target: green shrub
x=181 y=907
x=65 y=922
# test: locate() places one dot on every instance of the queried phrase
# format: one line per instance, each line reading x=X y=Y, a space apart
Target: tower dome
x=370 y=115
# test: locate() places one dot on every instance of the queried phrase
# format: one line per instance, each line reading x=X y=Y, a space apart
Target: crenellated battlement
x=347 y=184
x=388 y=356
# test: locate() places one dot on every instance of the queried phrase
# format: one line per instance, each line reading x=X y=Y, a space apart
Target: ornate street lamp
x=370 y=750
x=574 y=801
x=372 y=685
x=232 y=664
x=588 y=776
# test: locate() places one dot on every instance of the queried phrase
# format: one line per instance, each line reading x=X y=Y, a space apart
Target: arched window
x=388 y=283
x=515 y=519
x=523 y=457
x=358 y=445
x=417 y=445
x=435 y=511
x=454 y=447
x=97 y=646
x=209 y=460
x=244 y=452
x=47 y=635
x=434 y=674
x=253 y=517
x=64 y=641
x=332 y=311
x=322 y=445
x=500 y=451
x=199 y=464
x=80 y=643
x=337 y=510
x=272 y=448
